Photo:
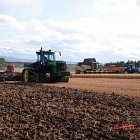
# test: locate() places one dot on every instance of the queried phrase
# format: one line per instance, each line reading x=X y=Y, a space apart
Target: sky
x=108 y=30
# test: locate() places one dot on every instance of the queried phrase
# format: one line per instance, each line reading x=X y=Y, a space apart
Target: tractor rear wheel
x=25 y=75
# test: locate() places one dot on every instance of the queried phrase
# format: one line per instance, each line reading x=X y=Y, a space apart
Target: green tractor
x=46 y=69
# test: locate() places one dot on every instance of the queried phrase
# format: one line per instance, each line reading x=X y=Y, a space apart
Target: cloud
x=16 y=2
x=110 y=29
x=24 y=9
x=11 y=22
x=19 y=3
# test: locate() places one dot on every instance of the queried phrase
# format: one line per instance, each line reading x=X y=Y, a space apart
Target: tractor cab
x=44 y=56
x=131 y=68
x=92 y=63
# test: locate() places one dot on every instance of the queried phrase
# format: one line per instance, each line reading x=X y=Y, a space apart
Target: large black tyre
x=30 y=75
x=26 y=76
x=78 y=72
x=88 y=71
x=85 y=72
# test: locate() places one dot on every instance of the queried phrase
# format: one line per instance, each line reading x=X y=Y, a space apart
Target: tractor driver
x=45 y=58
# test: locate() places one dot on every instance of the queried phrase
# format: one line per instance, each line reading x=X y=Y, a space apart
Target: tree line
x=117 y=64
x=2 y=63
x=124 y=64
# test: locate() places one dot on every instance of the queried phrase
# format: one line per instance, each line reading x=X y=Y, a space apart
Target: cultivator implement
x=9 y=74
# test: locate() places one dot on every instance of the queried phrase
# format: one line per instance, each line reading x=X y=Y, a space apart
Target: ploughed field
x=39 y=111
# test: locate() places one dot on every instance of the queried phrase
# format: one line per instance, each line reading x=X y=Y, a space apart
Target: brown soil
x=104 y=85
x=116 y=76
x=42 y=112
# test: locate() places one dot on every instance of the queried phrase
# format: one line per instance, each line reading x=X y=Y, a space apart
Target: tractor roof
x=89 y=60
x=44 y=52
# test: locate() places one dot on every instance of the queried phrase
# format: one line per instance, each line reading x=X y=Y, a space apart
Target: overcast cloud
x=105 y=29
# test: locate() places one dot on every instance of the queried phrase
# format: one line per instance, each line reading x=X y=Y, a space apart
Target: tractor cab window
x=45 y=57
x=49 y=56
x=131 y=66
x=38 y=58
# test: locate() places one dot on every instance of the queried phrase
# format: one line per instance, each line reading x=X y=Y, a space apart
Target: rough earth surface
x=41 y=112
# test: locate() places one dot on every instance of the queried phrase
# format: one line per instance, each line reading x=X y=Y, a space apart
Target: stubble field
x=124 y=86
x=84 y=108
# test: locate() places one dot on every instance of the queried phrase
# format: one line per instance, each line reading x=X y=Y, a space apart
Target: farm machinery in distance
x=90 y=65
x=45 y=69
